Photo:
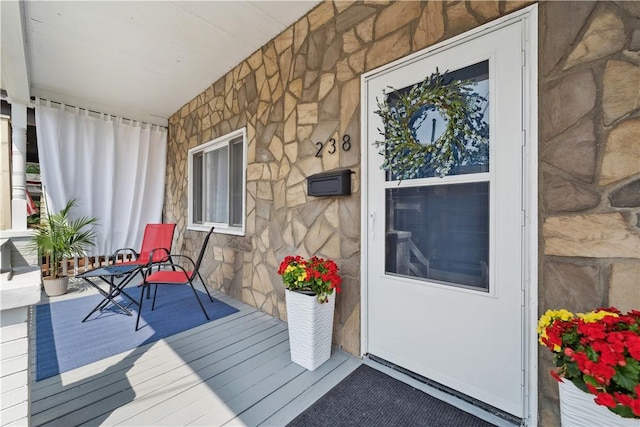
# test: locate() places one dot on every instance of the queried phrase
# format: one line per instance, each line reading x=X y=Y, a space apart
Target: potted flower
x=60 y=237
x=310 y=298
x=599 y=354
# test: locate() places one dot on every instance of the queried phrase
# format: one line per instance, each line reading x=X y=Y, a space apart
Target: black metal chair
x=171 y=273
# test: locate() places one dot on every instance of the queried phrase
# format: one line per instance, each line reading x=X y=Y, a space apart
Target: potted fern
x=59 y=237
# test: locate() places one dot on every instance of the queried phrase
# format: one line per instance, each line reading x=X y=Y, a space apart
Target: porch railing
x=77 y=265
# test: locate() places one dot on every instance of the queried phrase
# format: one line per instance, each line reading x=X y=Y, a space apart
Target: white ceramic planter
x=55 y=287
x=310 y=328
x=577 y=409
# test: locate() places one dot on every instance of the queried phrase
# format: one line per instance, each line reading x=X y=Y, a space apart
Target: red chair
x=155 y=236
x=156 y=243
x=170 y=273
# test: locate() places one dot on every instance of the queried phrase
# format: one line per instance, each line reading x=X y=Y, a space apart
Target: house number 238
x=333 y=145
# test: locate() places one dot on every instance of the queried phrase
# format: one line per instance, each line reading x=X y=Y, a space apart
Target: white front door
x=445 y=269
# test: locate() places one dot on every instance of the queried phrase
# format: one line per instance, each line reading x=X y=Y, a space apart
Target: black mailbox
x=333 y=183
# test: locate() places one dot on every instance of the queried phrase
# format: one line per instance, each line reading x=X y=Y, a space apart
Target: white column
x=19 y=162
x=5 y=174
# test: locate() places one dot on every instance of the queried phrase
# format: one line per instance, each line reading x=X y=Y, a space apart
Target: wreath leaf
x=405 y=156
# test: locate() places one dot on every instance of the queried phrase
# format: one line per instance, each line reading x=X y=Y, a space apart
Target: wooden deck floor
x=232 y=371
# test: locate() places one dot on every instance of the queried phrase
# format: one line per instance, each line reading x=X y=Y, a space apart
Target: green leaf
x=623 y=411
x=633 y=365
x=572 y=370
x=627 y=376
x=579 y=382
x=588 y=379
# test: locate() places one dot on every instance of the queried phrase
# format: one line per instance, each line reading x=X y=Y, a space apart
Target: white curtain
x=115 y=170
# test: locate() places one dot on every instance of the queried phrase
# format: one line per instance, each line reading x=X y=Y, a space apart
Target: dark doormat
x=368 y=397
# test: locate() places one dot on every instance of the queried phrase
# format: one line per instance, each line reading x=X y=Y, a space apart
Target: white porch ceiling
x=137 y=59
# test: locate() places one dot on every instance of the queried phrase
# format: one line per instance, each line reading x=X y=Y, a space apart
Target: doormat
x=368 y=397
x=64 y=342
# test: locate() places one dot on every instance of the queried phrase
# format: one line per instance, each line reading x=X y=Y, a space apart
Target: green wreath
x=465 y=136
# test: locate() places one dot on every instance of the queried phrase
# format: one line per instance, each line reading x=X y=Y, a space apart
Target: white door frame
x=529 y=17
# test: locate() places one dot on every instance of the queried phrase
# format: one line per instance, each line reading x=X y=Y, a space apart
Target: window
x=438 y=228
x=217 y=184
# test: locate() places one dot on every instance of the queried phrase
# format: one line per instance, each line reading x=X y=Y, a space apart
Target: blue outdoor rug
x=64 y=342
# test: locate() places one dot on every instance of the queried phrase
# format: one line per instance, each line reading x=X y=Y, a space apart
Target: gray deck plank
x=153 y=358
x=83 y=378
x=149 y=380
x=300 y=403
x=250 y=397
x=208 y=393
x=230 y=370
x=174 y=341
x=205 y=404
x=119 y=407
x=276 y=399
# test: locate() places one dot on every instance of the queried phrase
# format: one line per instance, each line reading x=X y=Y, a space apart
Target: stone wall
x=304 y=87
x=301 y=88
x=589 y=163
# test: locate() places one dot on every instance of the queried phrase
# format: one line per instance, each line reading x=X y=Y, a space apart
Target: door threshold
x=461 y=401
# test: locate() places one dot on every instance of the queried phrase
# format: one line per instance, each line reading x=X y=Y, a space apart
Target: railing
x=77 y=265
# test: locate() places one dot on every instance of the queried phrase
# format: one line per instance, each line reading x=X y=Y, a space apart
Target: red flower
x=605 y=399
x=555 y=375
x=632 y=342
x=623 y=398
x=601 y=351
x=317 y=275
x=592 y=331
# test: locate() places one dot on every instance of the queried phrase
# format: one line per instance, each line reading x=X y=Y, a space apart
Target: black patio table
x=108 y=274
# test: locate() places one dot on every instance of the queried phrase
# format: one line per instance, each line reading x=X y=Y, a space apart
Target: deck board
x=306 y=398
x=234 y=370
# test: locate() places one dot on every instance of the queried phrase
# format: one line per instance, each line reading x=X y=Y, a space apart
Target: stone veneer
x=589 y=163
x=304 y=87
x=298 y=89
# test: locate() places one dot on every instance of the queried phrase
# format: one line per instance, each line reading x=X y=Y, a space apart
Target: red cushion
x=170 y=277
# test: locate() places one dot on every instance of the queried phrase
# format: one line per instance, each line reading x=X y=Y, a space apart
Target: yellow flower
x=547 y=319
x=593 y=317
x=289 y=269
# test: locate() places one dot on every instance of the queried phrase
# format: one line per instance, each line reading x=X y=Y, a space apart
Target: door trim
x=529 y=18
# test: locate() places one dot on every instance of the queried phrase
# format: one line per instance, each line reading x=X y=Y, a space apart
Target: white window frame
x=219 y=142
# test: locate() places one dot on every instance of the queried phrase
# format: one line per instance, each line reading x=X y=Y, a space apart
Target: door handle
x=372 y=217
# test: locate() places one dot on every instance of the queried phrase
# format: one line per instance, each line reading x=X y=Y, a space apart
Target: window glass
x=197 y=187
x=427 y=124
x=236 y=182
x=439 y=233
x=217 y=183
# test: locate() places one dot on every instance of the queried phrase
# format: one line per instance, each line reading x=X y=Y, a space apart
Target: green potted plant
x=59 y=237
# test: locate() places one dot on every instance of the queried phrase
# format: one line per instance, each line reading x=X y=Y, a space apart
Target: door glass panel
x=439 y=234
x=427 y=124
